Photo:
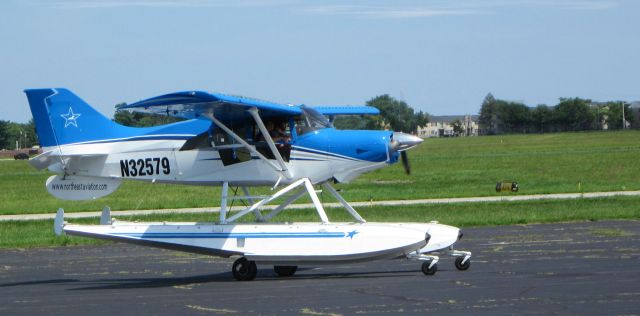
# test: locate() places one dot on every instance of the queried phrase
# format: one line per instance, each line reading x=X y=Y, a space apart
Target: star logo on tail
x=70 y=118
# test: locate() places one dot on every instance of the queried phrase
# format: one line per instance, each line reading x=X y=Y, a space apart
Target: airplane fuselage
x=162 y=160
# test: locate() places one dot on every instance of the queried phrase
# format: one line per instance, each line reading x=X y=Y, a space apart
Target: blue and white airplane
x=233 y=141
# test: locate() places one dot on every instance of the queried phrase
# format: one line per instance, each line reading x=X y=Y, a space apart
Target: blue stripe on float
x=233 y=235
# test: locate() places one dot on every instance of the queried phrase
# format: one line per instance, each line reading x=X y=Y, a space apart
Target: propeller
x=405 y=162
x=400 y=143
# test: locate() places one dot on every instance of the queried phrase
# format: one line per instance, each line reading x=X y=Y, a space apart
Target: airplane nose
x=401 y=141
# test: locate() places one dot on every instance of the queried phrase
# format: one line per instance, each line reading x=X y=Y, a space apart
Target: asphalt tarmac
x=588 y=268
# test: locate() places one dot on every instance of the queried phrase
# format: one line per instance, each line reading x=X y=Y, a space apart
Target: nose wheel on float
x=430 y=267
x=463 y=263
x=430 y=262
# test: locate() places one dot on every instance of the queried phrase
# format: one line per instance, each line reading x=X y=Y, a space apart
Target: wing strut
x=254 y=112
x=298 y=189
x=223 y=202
x=344 y=202
x=252 y=149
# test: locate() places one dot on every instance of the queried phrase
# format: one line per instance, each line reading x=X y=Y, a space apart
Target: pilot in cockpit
x=280 y=133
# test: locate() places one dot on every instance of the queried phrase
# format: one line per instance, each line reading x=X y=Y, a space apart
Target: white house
x=441 y=126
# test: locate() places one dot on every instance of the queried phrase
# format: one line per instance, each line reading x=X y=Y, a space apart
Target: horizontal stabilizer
x=50 y=157
x=41 y=161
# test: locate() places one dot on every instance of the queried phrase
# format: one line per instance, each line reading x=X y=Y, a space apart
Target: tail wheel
x=462 y=266
x=244 y=270
x=285 y=271
x=428 y=269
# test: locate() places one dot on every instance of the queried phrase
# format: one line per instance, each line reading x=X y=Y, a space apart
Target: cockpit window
x=311 y=120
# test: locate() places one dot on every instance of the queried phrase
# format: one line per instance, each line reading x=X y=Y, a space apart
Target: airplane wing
x=192 y=104
x=347 y=110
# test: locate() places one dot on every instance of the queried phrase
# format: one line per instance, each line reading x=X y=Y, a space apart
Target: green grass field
x=448 y=167
x=40 y=233
x=445 y=167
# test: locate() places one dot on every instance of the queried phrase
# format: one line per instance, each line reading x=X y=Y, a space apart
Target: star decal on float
x=70 y=118
x=351 y=234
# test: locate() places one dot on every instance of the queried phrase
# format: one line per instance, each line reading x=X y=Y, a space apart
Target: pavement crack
x=527 y=290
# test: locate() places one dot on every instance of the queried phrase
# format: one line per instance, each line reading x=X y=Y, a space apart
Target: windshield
x=311 y=120
x=314 y=119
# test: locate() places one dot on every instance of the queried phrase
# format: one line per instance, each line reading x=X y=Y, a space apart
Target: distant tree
x=420 y=119
x=614 y=114
x=488 y=119
x=30 y=130
x=574 y=114
x=17 y=135
x=124 y=117
x=542 y=119
x=12 y=133
x=629 y=114
x=355 y=122
x=458 y=127
x=397 y=115
x=515 y=117
x=4 y=135
x=137 y=119
x=601 y=112
x=570 y=114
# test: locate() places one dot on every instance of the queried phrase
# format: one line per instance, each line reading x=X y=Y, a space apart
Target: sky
x=441 y=57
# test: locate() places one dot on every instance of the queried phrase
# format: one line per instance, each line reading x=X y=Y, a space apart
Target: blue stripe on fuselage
x=139 y=138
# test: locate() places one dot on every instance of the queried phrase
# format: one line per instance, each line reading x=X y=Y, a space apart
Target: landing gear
x=244 y=270
x=429 y=267
x=463 y=263
x=285 y=271
x=463 y=259
x=429 y=262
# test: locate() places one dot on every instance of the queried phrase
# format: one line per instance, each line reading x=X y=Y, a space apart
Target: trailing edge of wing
x=347 y=110
x=191 y=104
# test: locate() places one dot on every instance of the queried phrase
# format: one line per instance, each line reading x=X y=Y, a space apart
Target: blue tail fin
x=61 y=118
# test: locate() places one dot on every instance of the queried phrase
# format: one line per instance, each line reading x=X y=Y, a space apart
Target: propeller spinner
x=400 y=142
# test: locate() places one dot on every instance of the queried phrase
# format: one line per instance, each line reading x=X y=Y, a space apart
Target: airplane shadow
x=264 y=275
x=52 y=281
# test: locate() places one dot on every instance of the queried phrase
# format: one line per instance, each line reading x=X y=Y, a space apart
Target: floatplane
x=236 y=142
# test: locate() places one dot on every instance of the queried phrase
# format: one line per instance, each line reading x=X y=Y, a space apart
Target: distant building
x=442 y=126
x=602 y=118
